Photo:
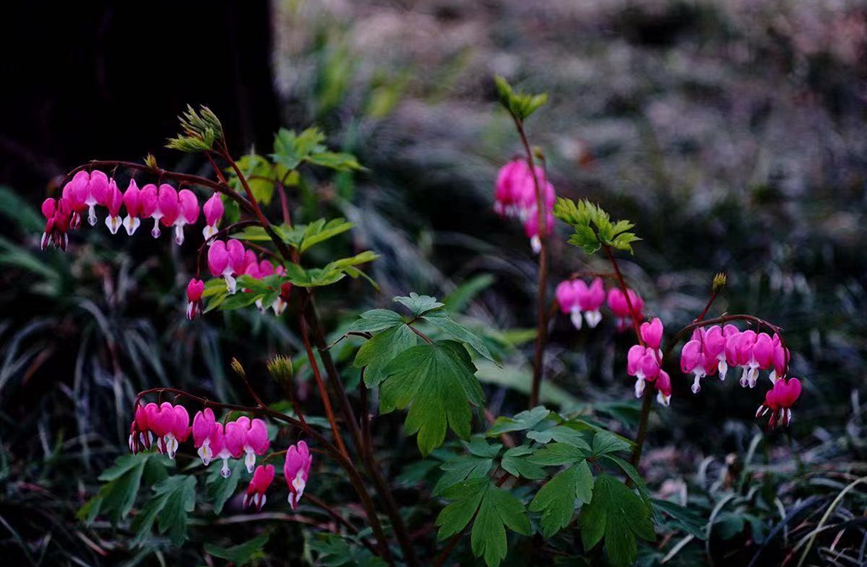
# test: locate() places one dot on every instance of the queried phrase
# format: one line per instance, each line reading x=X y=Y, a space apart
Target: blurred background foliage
x=729 y=131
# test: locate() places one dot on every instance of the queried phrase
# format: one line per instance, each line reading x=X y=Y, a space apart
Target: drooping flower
x=263 y=476
x=213 y=210
x=132 y=202
x=693 y=360
x=663 y=388
x=97 y=192
x=651 y=334
x=170 y=424
x=149 y=207
x=283 y=300
x=139 y=432
x=780 y=360
x=715 y=348
x=252 y=436
x=619 y=306
x=779 y=401
x=296 y=470
x=531 y=228
x=226 y=259
x=113 y=201
x=188 y=213
x=567 y=299
x=745 y=350
x=590 y=299
x=57 y=218
x=76 y=193
x=195 y=289
x=642 y=364
x=208 y=436
x=168 y=207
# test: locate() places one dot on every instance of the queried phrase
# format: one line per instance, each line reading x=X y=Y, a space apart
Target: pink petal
x=213 y=209
x=168 y=204
x=132 y=199
x=189 y=206
x=98 y=186
x=148 y=201
x=218 y=258
x=257 y=437
x=237 y=255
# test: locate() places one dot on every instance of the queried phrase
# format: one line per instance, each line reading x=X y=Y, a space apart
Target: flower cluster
x=644 y=362
x=167 y=425
x=579 y=299
x=515 y=197
x=164 y=204
x=229 y=260
x=716 y=349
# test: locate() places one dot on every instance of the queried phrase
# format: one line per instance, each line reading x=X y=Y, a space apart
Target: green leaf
x=419 y=304
x=442 y=321
x=437 y=382
x=605 y=443
x=17 y=210
x=336 y=551
x=240 y=554
x=561 y=434
x=258 y=173
x=320 y=231
x=291 y=149
x=516 y=463
x=495 y=509
x=338 y=161
x=519 y=105
x=375 y=354
x=173 y=499
x=633 y=475
x=556 y=500
x=527 y=419
x=221 y=489
x=117 y=496
x=619 y=516
x=682 y=518
x=461 y=468
x=376 y=320
x=557 y=454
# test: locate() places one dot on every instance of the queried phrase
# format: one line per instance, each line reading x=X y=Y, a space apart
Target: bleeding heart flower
x=213 y=210
x=132 y=202
x=296 y=470
x=619 y=306
x=531 y=228
x=188 y=213
x=195 y=289
x=168 y=204
x=170 y=425
x=263 y=476
x=779 y=401
x=643 y=364
x=149 y=207
x=113 y=201
x=651 y=334
x=663 y=387
x=97 y=192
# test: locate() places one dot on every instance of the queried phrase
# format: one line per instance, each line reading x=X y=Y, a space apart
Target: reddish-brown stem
x=420 y=334
x=707 y=307
x=345 y=463
x=367 y=454
x=636 y=322
x=541 y=299
x=323 y=391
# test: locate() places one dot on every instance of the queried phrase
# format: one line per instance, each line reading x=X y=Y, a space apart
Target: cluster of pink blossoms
x=579 y=299
x=717 y=349
x=644 y=363
x=228 y=260
x=168 y=425
x=164 y=204
x=515 y=197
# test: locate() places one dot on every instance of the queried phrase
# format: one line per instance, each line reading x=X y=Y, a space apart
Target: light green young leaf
x=437 y=381
x=258 y=173
x=418 y=304
x=619 y=516
x=441 y=320
x=556 y=500
x=375 y=354
x=321 y=231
